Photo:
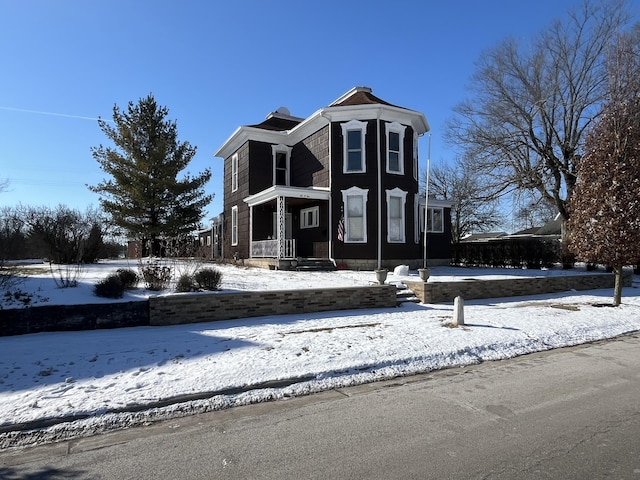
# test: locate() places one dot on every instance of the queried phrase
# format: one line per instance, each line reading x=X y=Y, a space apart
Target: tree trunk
x=617 y=290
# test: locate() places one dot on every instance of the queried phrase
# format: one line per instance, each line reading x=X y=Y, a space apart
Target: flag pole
x=426 y=204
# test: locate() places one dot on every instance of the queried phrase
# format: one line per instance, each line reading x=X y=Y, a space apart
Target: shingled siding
x=180 y=309
x=437 y=292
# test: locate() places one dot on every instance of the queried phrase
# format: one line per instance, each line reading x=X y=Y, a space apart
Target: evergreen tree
x=144 y=195
x=604 y=226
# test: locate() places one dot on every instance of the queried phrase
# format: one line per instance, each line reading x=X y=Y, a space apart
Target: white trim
x=280 y=148
x=271 y=193
x=315 y=217
x=355 y=192
x=234 y=172
x=402 y=195
x=395 y=127
x=350 y=126
x=318 y=120
x=234 y=225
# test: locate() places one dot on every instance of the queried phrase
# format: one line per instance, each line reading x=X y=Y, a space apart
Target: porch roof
x=271 y=193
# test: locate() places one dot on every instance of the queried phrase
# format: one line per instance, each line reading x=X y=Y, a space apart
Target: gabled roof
x=358 y=103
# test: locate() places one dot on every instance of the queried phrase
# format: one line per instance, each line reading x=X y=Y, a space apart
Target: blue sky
x=217 y=65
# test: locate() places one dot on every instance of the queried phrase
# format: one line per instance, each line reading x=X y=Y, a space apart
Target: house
x=340 y=185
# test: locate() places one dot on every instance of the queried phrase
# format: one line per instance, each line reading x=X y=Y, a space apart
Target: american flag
x=341 y=229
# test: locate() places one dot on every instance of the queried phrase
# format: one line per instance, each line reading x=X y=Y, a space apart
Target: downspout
x=330 y=220
x=379 y=189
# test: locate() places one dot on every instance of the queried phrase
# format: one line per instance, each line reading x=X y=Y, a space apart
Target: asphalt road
x=566 y=414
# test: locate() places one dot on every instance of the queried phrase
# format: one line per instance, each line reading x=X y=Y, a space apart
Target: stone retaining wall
x=437 y=292
x=179 y=309
x=191 y=308
x=60 y=318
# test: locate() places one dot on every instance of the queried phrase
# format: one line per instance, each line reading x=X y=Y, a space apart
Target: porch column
x=251 y=231
x=282 y=218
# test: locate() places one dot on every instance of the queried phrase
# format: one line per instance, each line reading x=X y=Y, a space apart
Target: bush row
x=156 y=277
x=512 y=252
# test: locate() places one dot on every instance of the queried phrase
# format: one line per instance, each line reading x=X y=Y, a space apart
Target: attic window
x=354 y=154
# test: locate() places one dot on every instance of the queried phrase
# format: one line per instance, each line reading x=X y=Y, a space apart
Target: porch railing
x=269 y=248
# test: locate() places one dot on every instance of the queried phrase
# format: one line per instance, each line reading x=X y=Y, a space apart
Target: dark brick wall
x=54 y=318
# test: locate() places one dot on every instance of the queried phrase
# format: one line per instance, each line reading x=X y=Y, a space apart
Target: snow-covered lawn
x=112 y=376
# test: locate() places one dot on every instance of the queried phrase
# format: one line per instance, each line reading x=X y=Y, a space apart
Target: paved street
x=572 y=414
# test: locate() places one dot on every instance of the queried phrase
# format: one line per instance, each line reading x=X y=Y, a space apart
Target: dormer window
x=353 y=134
x=281 y=160
x=395 y=148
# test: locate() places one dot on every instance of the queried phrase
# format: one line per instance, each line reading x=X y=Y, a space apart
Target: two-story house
x=340 y=185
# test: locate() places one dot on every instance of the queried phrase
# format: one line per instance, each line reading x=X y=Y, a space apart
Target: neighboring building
x=340 y=185
x=210 y=240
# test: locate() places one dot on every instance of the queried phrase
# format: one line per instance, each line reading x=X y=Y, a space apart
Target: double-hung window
x=395 y=148
x=281 y=161
x=396 y=200
x=353 y=134
x=234 y=172
x=234 y=225
x=355 y=215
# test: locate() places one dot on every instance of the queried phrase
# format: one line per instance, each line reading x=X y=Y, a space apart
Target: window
x=310 y=217
x=355 y=215
x=353 y=134
x=281 y=159
x=435 y=219
x=234 y=172
x=395 y=215
x=234 y=225
x=415 y=156
x=208 y=240
x=395 y=148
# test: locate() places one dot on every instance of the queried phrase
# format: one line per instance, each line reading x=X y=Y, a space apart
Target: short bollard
x=458 y=311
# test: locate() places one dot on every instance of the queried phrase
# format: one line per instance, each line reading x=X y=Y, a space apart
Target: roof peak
x=350 y=93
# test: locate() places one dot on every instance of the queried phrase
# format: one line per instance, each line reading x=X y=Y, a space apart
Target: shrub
x=156 y=276
x=186 y=283
x=109 y=287
x=208 y=278
x=128 y=277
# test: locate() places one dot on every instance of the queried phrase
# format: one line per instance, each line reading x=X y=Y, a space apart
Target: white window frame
x=395 y=127
x=415 y=156
x=234 y=225
x=234 y=172
x=348 y=234
x=354 y=125
x=430 y=212
x=314 y=213
x=397 y=193
x=275 y=149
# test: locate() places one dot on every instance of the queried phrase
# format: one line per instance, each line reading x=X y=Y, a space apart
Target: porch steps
x=404 y=295
x=315 y=265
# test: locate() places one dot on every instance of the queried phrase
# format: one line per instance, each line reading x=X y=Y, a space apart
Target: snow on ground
x=128 y=376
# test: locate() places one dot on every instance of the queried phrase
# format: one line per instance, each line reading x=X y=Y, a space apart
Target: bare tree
x=605 y=209
x=533 y=210
x=531 y=105
x=471 y=211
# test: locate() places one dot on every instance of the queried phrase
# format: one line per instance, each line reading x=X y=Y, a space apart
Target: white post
x=458 y=311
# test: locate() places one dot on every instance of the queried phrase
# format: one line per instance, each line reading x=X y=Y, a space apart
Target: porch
x=287 y=223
